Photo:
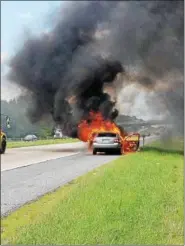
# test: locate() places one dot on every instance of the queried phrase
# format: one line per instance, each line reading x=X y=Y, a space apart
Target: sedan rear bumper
x=106 y=146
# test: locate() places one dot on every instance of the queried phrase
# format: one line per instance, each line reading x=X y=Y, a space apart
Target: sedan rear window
x=106 y=134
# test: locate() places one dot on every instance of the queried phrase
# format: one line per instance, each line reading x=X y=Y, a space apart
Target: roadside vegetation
x=17 y=144
x=136 y=199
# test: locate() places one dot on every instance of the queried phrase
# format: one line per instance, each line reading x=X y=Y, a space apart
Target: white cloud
x=140 y=103
x=4 y=57
x=9 y=91
x=26 y=16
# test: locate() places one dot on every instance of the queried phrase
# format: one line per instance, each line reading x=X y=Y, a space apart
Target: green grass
x=175 y=145
x=136 y=199
x=18 y=144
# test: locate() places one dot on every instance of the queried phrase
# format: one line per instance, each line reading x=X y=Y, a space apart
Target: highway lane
x=21 y=185
x=24 y=156
x=27 y=183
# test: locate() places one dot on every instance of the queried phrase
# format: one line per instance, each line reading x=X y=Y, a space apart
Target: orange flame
x=95 y=124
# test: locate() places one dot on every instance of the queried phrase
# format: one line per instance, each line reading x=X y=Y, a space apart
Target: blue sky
x=16 y=17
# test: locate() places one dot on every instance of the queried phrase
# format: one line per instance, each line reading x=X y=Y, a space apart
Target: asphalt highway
x=25 y=156
x=28 y=182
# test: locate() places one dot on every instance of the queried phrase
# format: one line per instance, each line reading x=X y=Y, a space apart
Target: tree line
x=20 y=125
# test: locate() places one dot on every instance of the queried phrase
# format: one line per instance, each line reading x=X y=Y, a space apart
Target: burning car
x=106 y=142
x=103 y=135
x=131 y=142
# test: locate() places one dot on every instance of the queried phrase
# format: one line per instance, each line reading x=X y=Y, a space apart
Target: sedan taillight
x=116 y=140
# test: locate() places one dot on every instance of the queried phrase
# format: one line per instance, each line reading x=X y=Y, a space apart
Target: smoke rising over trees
x=89 y=44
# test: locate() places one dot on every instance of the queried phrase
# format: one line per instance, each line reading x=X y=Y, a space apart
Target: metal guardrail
x=22 y=139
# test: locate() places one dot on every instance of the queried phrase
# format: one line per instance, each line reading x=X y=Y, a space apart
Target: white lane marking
x=48 y=146
x=13 y=166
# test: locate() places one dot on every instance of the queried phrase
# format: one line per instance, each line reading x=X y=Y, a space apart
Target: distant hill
x=133 y=124
x=128 y=119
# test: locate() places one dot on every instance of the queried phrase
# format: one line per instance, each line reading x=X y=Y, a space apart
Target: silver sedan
x=106 y=142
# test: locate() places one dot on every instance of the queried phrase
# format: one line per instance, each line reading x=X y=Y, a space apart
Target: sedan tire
x=94 y=151
x=119 y=152
x=3 y=147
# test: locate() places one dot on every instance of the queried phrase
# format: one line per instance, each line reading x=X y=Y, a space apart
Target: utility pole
x=143 y=136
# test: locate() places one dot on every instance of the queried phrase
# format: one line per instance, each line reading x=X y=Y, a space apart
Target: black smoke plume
x=89 y=43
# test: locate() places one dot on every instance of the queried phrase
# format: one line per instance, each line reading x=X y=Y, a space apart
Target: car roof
x=30 y=135
x=107 y=133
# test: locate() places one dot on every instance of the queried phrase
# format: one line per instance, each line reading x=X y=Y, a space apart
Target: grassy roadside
x=18 y=144
x=136 y=199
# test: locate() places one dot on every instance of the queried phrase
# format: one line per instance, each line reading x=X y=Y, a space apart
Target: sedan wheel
x=119 y=152
x=3 y=147
x=94 y=152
